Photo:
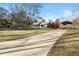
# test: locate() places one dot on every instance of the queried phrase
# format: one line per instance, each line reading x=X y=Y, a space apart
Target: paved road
x=37 y=45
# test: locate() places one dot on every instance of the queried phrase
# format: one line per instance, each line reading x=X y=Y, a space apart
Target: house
x=35 y=25
x=40 y=25
x=43 y=25
x=74 y=24
x=66 y=25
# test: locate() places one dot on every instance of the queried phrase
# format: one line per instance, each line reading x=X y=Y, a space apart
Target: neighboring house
x=62 y=26
x=40 y=25
x=66 y=25
x=43 y=25
x=74 y=24
x=35 y=25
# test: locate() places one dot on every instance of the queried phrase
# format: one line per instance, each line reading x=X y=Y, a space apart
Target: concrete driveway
x=38 y=45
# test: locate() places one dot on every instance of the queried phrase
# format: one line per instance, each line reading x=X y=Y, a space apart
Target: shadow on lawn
x=58 y=49
x=29 y=44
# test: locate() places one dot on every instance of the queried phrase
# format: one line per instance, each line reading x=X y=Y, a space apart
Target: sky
x=58 y=10
x=53 y=11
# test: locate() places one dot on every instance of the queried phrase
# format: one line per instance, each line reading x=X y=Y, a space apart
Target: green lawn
x=67 y=45
x=7 y=35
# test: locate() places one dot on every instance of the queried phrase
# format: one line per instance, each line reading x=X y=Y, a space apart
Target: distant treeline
x=19 y=16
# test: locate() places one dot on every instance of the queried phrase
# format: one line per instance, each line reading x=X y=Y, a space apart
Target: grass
x=7 y=35
x=67 y=45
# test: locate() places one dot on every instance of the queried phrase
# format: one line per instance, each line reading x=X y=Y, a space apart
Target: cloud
x=50 y=16
x=67 y=13
x=77 y=14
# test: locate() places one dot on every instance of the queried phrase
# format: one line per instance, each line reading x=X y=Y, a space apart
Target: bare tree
x=3 y=13
x=33 y=10
x=23 y=14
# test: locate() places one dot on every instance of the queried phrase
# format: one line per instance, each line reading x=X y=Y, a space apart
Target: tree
x=56 y=24
x=41 y=18
x=18 y=16
x=49 y=24
x=35 y=21
x=24 y=13
x=33 y=10
x=3 y=17
x=3 y=13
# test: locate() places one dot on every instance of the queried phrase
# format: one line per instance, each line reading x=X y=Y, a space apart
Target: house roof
x=40 y=23
x=35 y=23
x=43 y=23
